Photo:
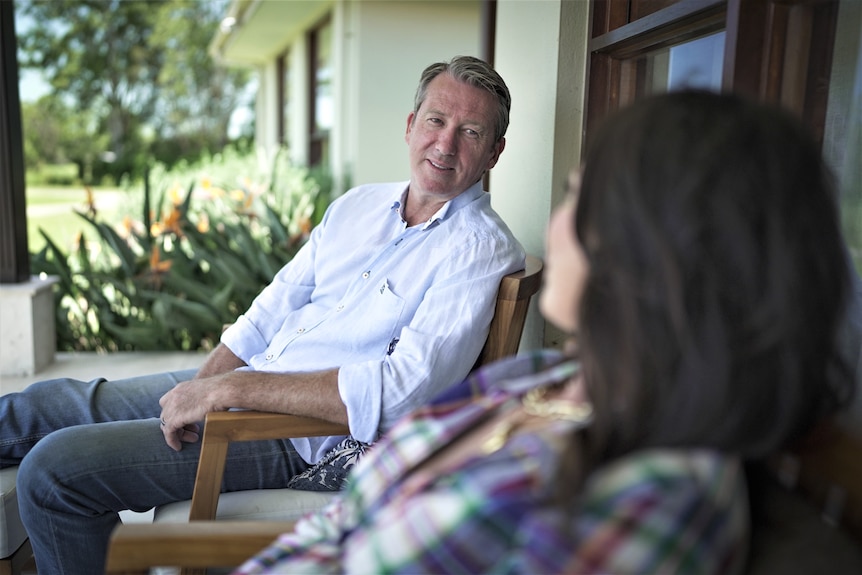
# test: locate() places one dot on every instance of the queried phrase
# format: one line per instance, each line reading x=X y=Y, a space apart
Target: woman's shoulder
x=674 y=510
x=512 y=375
x=664 y=468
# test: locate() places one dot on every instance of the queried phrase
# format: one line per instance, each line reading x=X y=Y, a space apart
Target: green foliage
x=851 y=210
x=195 y=259
x=54 y=175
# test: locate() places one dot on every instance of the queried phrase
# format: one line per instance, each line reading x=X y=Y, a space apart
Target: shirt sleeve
x=290 y=289
x=437 y=348
x=644 y=520
x=313 y=546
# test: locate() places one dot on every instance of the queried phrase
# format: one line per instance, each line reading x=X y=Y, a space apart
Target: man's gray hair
x=473 y=72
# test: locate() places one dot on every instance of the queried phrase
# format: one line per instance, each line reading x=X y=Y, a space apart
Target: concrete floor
x=87 y=366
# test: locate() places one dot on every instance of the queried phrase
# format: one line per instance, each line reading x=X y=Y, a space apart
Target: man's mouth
x=439 y=166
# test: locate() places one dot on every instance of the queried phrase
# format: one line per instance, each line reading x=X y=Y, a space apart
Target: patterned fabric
x=329 y=473
x=655 y=511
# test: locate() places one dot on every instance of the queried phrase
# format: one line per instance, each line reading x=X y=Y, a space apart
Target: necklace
x=534 y=403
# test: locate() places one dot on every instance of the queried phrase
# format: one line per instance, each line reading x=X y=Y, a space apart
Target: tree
x=54 y=133
x=198 y=96
x=139 y=68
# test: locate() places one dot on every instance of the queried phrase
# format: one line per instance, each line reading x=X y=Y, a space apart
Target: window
x=283 y=71
x=693 y=64
x=796 y=53
x=321 y=96
x=776 y=50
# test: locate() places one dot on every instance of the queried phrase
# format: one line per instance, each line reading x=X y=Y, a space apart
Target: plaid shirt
x=655 y=511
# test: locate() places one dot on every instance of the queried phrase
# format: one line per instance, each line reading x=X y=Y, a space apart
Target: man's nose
x=447 y=142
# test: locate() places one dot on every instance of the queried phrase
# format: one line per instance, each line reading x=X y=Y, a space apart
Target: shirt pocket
x=383 y=311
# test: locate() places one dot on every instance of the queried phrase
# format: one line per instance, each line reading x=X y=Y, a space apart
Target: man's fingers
x=172 y=438
x=189 y=434
x=176 y=436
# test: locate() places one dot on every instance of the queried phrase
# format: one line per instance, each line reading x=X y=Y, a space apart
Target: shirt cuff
x=243 y=339
x=364 y=402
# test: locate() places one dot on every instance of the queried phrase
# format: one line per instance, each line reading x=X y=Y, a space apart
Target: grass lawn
x=52 y=209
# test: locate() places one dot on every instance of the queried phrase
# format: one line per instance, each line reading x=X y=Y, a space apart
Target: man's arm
x=220 y=360
x=311 y=393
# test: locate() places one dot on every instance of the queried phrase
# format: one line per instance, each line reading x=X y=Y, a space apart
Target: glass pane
x=842 y=139
x=285 y=99
x=693 y=64
x=323 y=80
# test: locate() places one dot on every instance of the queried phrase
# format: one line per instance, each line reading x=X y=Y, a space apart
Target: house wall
x=380 y=49
x=387 y=44
x=541 y=52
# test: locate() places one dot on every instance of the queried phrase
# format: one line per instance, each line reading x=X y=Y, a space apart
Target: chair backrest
x=513 y=300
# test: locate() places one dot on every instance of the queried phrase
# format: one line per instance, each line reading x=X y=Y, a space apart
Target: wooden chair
x=128 y=553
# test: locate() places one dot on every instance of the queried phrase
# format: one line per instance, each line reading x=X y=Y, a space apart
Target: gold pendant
x=499 y=436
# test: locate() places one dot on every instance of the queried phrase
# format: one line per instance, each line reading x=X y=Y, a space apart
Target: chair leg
x=20 y=561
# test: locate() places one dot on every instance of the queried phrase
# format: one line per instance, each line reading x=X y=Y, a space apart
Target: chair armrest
x=223 y=427
x=135 y=548
x=256 y=425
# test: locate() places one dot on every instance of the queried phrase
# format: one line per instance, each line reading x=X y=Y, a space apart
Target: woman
x=697 y=264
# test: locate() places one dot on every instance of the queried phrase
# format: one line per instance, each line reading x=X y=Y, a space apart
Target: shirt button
x=341 y=307
x=300 y=330
x=268 y=357
x=366 y=275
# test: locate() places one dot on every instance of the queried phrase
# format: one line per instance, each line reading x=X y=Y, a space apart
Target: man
x=386 y=305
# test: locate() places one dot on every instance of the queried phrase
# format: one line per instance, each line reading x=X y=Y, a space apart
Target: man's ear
x=410 y=118
x=495 y=153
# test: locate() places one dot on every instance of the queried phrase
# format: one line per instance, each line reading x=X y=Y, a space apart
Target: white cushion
x=259 y=504
x=12 y=533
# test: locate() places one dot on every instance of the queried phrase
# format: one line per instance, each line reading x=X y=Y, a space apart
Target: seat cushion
x=12 y=533
x=259 y=504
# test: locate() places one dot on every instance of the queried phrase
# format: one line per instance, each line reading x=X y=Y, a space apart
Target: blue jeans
x=88 y=450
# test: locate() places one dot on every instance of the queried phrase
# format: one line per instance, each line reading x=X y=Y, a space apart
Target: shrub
x=192 y=262
x=53 y=175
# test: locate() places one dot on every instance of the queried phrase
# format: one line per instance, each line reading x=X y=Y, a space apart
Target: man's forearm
x=220 y=360
x=312 y=394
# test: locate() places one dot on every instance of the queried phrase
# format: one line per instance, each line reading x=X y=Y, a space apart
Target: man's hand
x=183 y=407
x=314 y=394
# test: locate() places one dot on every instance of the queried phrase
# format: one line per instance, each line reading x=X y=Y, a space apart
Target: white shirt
x=403 y=312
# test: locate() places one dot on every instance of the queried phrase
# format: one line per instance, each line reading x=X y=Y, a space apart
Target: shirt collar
x=467 y=196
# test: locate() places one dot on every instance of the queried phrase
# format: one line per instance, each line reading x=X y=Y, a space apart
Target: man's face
x=451 y=138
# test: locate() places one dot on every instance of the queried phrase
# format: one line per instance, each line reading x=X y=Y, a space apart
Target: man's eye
x=471 y=133
x=435 y=121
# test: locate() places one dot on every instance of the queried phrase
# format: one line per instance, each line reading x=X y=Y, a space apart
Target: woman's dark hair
x=717 y=277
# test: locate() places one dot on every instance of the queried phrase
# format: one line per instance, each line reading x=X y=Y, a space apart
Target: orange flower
x=90 y=201
x=172 y=222
x=157 y=267
x=246 y=205
x=176 y=194
x=204 y=223
x=125 y=228
x=305 y=226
